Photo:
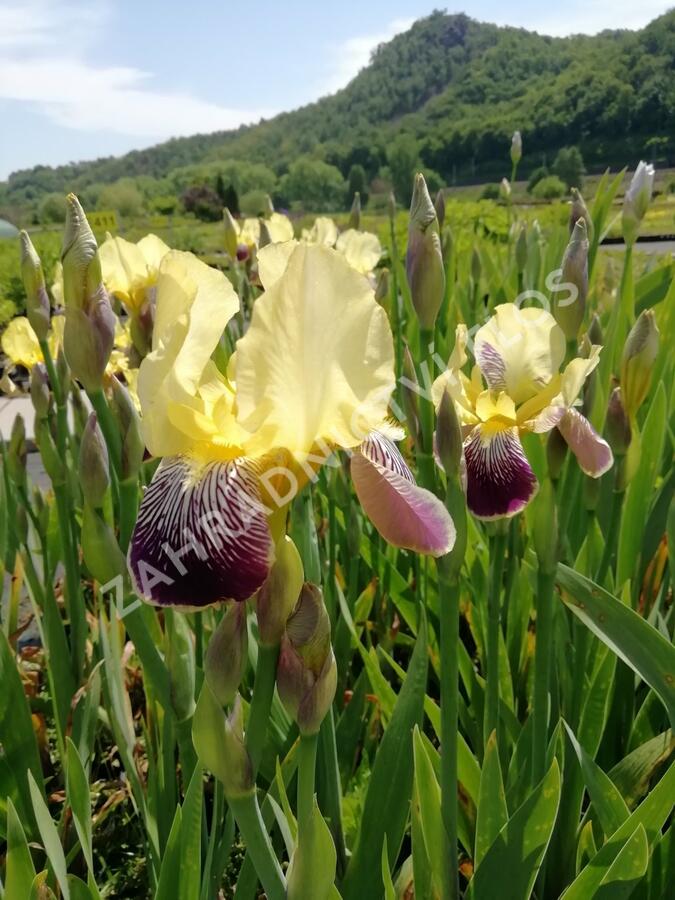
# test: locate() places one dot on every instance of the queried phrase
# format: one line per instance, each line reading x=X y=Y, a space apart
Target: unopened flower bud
x=62 y=369
x=637 y=363
x=93 y=466
x=595 y=331
x=101 y=552
x=449 y=437
x=39 y=391
x=129 y=427
x=231 y=233
x=265 y=237
x=180 y=664
x=617 y=424
x=141 y=326
x=579 y=210
x=219 y=741
x=307 y=672
x=521 y=249
x=37 y=299
x=424 y=259
x=278 y=596
x=382 y=287
x=80 y=409
x=516 y=148
x=545 y=527
x=17 y=451
x=226 y=655
x=505 y=189
x=410 y=396
x=556 y=452
x=439 y=206
x=52 y=460
x=636 y=201
x=391 y=206
x=569 y=306
x=90 y=322
x=355 y=212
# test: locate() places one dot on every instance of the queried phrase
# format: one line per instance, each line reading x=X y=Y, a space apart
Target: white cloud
x=584 y=16
x=77 y=94
x=349 y=57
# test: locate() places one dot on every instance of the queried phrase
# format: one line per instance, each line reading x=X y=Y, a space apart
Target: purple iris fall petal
x=500 y=481
x=593 y=453
x=405 y=515
x=201 y=534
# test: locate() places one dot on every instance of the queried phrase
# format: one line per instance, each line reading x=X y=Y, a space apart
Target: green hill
x=450 y=90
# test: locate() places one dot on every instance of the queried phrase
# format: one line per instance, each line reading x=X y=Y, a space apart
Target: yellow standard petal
x=179 y=386
x=20 y=343
x=272 y=261
x=323 y=231
x=280 y=227
x=531 y=346
x=361 y=249
x=317 y=363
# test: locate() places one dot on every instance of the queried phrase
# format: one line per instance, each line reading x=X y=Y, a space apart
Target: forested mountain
x=454 y=89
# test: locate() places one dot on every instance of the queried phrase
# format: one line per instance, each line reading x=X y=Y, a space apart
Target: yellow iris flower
x=314 y=373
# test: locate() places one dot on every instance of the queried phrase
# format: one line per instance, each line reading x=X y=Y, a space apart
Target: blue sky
x=87 y=78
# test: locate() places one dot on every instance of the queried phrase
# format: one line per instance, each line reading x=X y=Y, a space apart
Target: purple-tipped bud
x=355 y=212
x=39 y=391
x=424 y=259
x=231 y=233
x=219 y=742
x=595 y=331
x=579 y=210
x=37 y=299
x=449 y=437
x=129 y=427
x=307 y=672
x=142 y=324
x=382 y=287
x=90 y=322
x=94 y=472
x=278 y=596
x=637 y=362
x=227 y=654
x=636 y=201
x=617 y=424
x=51 y=458
x=569 y=306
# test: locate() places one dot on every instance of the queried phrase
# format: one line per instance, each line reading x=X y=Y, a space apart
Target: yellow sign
x=105 y=220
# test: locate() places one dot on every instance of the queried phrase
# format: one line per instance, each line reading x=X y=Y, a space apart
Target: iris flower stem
x=263 y=692
x=108 y=427
x=249 y=819
x=542 y=672
x=76 y=609
x=128 y=510
x=612 y=535
x=395 y=312
x=425 y=459
x=497 y=548
x=306 y=774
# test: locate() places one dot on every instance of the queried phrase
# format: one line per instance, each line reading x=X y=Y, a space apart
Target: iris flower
x=362 y=249
x=279 y=226
x=323 y=231
x=313 y=374
x=517 y=387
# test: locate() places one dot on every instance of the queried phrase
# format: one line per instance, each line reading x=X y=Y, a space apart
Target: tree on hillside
x=357 y=182
x=122 y=196
x=317 y=185
x=403 y=157
x=203 y=202
x=569 y=167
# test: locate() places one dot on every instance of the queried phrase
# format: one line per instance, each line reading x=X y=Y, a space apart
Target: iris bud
x=545 y=527
x=439 y=206
x=637 y=363
x=17 y=451
x=424 y=259
x=278 y=596
x=180 y=663
x=355 y=212
x=100 y=549
x=516 y=148
x=617 y=424
x=391 y=206
x=80 y=411
x=595 y=331
x=129 y=426
x=449 y=437
x=636 y=201
x=219 y=741
x=142 y=324
x=51 y=458
x=62 y=369
x=556 y=452
x=94 y=473
x=410 y=396
x=579 y=210
x=382 y=287
x=39 y=391
x=521 y=249
x=569 y=310
x=505 y=190
x=37 y=299
x=90 y=322
x=307 y=672
x=231 y=233
x=227 y=654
